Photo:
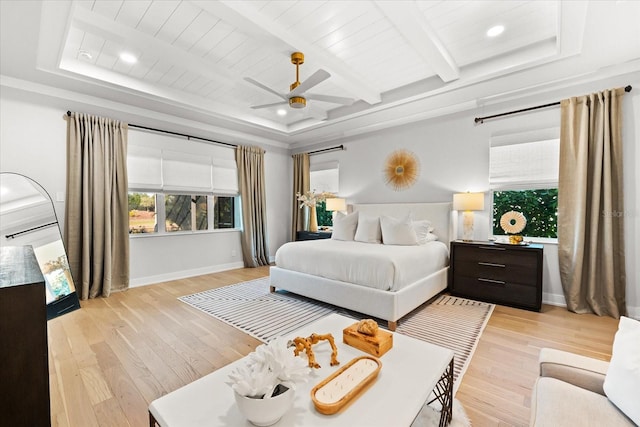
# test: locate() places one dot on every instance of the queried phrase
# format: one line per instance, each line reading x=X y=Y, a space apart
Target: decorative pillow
x=368 y=230
x=398 y=231
x=344 y=226
x=622 y=382
x=423 y=231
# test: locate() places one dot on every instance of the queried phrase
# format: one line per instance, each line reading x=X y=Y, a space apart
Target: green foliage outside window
x=540 y=208
x=325 y=217
x=223 y=212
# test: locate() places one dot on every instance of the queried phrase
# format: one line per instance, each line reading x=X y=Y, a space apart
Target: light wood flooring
x=110 y=359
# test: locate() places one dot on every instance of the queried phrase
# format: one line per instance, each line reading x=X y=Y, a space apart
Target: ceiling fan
x=297 y=98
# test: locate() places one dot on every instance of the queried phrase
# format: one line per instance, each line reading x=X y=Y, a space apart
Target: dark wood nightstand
x=502 y=274
x=309 y=235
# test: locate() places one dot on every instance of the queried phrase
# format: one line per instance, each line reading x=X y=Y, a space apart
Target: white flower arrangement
x=311 y=198
x=270 y=365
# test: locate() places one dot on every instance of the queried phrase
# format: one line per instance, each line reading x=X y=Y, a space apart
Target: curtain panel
x=254 y=241
x=96 y=231
x=301 y=184
x=590 y=204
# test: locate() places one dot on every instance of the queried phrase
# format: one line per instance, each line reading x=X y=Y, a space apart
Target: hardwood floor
x=110 y=359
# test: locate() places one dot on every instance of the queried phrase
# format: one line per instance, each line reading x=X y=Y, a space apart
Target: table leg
x=444 y=394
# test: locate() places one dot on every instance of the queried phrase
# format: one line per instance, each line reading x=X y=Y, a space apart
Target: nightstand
x=498 y=273
x=309 y=235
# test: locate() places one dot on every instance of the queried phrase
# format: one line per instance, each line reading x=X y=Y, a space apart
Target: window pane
x=223 y=212
x=201 y=212
x=539 y=207
x=142 y=213
x=325 y=217
x=178 y=212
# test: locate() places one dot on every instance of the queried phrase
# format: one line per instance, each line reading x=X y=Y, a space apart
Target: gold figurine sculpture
x=302 y=343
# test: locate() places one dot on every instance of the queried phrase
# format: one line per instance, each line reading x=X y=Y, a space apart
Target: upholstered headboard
x=440 y=215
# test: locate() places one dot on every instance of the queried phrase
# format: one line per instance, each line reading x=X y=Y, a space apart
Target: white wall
x=33 y=143
x=454 y=157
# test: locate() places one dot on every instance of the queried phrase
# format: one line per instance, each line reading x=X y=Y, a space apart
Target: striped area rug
x=451 y=322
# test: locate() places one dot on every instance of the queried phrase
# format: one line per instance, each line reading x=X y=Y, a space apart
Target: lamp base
x=467 y=226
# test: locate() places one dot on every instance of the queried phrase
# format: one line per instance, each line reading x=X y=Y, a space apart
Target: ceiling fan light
x=297 y=102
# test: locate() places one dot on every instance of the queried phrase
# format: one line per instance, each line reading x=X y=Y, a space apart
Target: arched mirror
x=28 y=218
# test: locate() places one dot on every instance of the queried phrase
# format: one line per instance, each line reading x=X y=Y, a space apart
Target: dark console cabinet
x=24 y=363
x=502 y=274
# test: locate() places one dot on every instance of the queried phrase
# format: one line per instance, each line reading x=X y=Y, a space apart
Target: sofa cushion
x=557 y=403
x=622 y=381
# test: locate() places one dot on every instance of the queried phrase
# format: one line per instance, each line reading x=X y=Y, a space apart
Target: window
x=142 y=213
x=324 y=177
x=181 y=213
x=524 y=178
x=177 y=187
x=540 y=205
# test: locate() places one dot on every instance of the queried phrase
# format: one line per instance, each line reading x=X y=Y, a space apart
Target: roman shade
x=524 y=165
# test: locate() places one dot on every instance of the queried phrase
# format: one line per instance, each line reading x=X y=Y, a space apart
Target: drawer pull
x=492 y=282
x=492 y=248
x=491 y=264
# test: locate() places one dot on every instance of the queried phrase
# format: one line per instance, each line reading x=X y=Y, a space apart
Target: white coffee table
x=410 y=371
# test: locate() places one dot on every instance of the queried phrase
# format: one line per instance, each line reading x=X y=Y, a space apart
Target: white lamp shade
x=468 y=201
x=336 y=204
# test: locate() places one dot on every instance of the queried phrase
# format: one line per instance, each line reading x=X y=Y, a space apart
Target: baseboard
x=554 y=299
x=183 y=274
x=558 y=300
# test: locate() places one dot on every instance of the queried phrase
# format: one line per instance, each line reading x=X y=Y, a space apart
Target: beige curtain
x=301 y=184
x=255 y=243
x=590 y=204
x=96 y=230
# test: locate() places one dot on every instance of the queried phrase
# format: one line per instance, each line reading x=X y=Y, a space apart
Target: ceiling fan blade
x=315 y=79
x=256 y=107
x=263 y=87
x=328 y=98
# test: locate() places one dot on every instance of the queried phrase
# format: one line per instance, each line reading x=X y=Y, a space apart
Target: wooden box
x=374 y=345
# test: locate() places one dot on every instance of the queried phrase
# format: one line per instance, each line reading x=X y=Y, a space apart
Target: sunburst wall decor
x=401 y=169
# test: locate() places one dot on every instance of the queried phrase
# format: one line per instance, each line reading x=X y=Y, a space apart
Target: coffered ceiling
x=398 y=61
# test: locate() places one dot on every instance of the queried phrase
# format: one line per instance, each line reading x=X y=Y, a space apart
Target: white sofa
x=569 y=392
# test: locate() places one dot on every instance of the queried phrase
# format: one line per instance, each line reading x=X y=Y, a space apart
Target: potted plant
x=264 y=385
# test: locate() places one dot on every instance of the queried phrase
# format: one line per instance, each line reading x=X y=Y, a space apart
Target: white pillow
x=368 y=230
x=622 y=382
x=398 y=231
x=423 y=231
x=344 y=226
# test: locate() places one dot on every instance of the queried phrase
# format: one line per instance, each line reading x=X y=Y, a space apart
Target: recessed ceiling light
x=495 y=31
x=85 y=54
x=129 y=58
x=282 y=112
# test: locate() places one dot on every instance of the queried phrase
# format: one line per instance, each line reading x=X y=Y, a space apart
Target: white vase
x=265 y=412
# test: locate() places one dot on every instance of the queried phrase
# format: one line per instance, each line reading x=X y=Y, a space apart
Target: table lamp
x=335 y=204
x=468 y=202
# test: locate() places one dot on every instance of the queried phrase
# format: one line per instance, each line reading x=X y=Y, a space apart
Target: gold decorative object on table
x=368 y=338
x=302 y=343
x=339 y=388
x=513 y=223
x=401 y=169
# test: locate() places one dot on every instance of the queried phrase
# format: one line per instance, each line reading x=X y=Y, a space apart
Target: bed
x=389 y=288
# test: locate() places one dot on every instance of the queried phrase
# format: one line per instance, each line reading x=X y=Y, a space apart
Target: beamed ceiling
x=395 y=62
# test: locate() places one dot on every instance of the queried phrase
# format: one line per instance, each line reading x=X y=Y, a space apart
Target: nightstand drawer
x=498 y=270
x=497 y=291
x=497 y=255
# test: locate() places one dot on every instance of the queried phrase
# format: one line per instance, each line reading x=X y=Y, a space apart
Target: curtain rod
x=189 y=137
x=482 y=119
x=337 y=147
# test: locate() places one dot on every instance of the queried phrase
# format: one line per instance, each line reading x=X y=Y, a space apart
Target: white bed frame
x=385 y=305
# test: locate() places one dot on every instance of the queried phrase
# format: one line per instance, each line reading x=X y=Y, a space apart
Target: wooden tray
x=339 y=388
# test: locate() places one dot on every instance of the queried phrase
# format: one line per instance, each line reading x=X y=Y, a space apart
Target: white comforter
x=384 y=267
